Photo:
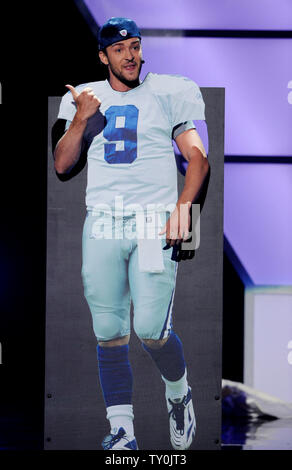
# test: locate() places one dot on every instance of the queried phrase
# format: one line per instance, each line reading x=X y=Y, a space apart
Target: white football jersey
x=131 y=159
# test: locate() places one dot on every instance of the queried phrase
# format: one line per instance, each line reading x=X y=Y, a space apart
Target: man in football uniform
x=126 y=128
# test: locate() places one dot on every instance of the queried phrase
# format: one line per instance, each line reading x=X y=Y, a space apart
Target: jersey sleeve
x=185 y=101
x=67 y=108
x=180 y=98
x=180 y=128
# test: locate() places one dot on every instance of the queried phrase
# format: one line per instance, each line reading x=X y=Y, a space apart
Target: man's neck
x=117 y=85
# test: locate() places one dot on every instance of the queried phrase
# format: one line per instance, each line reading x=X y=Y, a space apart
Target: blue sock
x=115 y=374
x=169 y=358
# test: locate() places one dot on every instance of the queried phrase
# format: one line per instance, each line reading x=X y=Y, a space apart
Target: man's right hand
x=87 y=102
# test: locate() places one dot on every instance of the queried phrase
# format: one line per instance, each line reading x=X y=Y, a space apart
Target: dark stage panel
x=74 y=407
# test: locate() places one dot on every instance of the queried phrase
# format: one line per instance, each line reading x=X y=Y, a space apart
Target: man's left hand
x=177 y=232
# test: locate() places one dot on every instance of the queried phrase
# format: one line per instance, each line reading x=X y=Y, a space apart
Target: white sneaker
x=119 y=441
x=182 y=421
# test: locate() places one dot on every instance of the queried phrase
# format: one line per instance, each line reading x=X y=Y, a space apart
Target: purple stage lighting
x=199 y=14
x=255 y=74
x=258 y=221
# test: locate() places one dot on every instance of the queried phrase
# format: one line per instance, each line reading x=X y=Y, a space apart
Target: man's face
x=124 y=59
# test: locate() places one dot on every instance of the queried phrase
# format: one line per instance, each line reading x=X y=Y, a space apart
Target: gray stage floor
x=257 y=435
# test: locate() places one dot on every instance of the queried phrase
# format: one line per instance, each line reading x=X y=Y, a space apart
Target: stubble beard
x=129 y=83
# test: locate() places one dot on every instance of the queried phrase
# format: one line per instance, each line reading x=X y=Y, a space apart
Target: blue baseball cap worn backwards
x=117 y=29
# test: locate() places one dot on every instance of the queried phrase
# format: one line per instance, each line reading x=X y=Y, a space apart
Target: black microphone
x=142 y=61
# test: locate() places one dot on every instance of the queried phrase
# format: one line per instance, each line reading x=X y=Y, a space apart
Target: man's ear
x=103 y=57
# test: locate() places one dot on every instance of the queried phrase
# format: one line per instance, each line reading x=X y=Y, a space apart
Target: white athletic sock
x=176 y=389
x=121 y=416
